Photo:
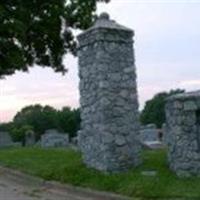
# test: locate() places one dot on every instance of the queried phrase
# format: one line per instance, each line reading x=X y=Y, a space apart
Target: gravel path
x=11 y=190
x=16 y=186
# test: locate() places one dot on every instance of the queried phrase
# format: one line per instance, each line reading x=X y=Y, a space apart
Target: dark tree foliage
x=154 y=110
x=6 y=126
x=40 y=31
x=18 y=133
x=69 y=120
x=41 y=118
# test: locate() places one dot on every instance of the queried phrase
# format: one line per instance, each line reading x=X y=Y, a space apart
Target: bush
x=154 y=110
x=18 y=133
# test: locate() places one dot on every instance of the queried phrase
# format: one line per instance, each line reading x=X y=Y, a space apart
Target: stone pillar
x=109 y=136
x=183 y=129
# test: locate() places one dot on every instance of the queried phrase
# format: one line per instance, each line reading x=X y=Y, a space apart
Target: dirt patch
x=15 y=185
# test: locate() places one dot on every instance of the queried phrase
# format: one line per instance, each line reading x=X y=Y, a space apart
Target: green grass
x=66 y=166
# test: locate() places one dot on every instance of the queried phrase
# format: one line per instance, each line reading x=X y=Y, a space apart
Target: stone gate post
x=183 y=133
x=109 y=135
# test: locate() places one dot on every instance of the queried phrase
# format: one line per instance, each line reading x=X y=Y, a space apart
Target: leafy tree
x=40 y=118
x=69 y=120
x=6 y=126
x=40 y=31
x=154 y=110
x=18 y=134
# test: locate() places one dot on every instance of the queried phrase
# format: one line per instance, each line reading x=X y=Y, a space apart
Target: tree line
x=154 y=109
x=40 y=118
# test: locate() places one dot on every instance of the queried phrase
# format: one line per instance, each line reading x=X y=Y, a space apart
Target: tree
x=39 y=117
x=42 y=118
x=18 y=134
x=154 y=110
x=40 y=32
x=6 y=127
x=69 y=120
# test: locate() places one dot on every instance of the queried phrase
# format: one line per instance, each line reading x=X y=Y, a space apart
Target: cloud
x=167 y=44
x=5 y=115
x=146 y=92
x=155 y=17
x=39 y=86
x=190 y=83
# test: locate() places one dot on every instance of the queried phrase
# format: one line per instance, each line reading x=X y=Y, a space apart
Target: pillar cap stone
x=104 y=22
x=104 y=16
x=185 y=96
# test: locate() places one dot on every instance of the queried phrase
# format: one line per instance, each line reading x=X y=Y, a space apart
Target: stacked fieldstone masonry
x=109 y=136
x=183 y=129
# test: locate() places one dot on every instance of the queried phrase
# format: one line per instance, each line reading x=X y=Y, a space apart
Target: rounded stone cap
x=104 y=15
x=104 y=22
x=185 y=96
x=105 y=29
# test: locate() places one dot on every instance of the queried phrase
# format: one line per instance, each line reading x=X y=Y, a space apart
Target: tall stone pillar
x=109 y=135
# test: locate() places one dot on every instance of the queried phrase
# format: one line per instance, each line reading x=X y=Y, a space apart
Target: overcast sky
x=167 y=49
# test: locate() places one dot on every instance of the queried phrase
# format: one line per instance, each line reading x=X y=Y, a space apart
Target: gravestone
x=148 y=133
x=183 y=129
x=109 y=135
x=5 y=139
x=29 y=138
x=52 y=138
x=151 y=137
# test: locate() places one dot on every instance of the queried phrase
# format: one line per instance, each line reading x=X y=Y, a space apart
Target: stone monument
x=29 y=138
x=52 y=138
x=109 y=135
x=148 y=133
x=5 y=139
x=183 y=129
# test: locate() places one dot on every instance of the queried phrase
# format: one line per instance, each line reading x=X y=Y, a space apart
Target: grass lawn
x=66 y=166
